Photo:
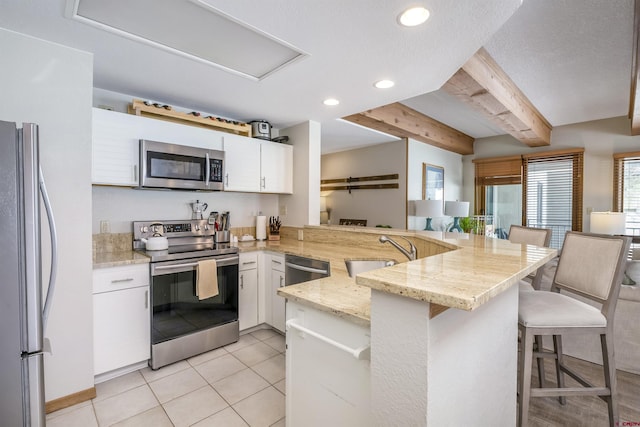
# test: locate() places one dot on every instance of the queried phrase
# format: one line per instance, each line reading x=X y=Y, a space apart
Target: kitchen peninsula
x=442 y=332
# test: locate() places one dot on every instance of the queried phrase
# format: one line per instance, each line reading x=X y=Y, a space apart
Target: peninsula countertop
x=476 y=269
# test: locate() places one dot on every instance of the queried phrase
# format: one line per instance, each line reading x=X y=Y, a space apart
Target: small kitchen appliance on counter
x=260 y=129
x=182 y=324
x=198 y=209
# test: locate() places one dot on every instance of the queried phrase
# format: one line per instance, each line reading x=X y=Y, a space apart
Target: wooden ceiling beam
x=483 y=85
x=634 y=97
x=401 y=121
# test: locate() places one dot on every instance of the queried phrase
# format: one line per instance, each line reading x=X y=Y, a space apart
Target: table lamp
x=608 y=222
x=457 y=210
x=429 y=209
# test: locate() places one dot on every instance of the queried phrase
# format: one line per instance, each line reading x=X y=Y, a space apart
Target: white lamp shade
x=608 y=222
x=429 y=208
x=456 y=209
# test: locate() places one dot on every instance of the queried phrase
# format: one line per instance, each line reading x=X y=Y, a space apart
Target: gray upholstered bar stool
x=591 y=266
x=537 y=237
x=530 y=236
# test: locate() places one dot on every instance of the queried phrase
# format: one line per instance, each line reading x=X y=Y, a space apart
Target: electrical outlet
x=283 y=210
x=300 y=235
x=105 y=227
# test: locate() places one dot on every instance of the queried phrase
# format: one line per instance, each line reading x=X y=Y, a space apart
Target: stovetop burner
x=187 y=239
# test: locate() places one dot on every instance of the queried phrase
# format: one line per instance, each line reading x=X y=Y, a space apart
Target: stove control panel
x=184 y=232
x=178 y=228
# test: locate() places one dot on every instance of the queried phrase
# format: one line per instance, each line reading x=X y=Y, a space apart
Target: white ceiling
x=572 y=58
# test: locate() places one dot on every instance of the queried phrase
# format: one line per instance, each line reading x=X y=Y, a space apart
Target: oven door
x=174 y=166
x=177 y=311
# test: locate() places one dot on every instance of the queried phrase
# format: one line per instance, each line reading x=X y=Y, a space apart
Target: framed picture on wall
x=432 y=182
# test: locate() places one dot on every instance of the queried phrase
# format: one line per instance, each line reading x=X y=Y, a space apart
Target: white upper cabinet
x=116 y=146
x=251 y=165
x=115 y=154
x=255 y=165
x=276 y=167
x=241 y=163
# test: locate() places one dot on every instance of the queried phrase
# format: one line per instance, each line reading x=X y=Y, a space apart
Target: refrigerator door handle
x=54 y=251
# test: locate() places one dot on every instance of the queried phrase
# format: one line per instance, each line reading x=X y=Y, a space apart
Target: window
x=626 y=189
x=498 y=193
x=553 y=192
x=537 y=190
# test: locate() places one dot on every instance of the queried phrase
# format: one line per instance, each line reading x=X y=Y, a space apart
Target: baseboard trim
x=70 y=400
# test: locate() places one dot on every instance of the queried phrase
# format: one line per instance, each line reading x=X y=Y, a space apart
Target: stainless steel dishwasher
x=301 y=269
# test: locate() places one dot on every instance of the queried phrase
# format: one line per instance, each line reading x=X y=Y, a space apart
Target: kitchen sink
x=357 y=266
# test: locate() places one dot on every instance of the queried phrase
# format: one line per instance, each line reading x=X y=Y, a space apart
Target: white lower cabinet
x=328 y=366
x=248 y=290
x=121 y=317
x=277 y=302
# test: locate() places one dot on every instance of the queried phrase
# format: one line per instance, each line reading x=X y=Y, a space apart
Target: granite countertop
x=116 y=259
x=462 y=278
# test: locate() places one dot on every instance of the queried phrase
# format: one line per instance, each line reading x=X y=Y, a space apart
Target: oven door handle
x=171 y=267
x=222 y=262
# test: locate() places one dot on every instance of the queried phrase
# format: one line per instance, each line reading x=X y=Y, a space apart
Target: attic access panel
x=193 y=29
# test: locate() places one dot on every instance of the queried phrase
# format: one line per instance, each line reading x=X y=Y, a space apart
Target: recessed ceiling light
x=414 y=16
x=384 y=84
x=331 y=101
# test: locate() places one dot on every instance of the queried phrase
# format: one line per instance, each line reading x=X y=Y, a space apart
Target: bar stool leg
x=610 y=380
x=524 y=369
x=557 y=347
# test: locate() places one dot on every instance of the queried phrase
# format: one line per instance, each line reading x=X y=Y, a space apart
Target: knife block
x=274 y=236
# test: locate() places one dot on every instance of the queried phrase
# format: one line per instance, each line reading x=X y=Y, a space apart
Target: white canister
x=261 y=228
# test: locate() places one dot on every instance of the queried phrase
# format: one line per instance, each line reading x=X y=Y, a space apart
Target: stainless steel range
x=183 y=324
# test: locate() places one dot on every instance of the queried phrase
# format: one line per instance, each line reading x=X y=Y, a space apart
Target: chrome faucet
x=412 y=253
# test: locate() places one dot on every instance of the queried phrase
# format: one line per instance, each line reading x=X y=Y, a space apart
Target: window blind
x=552 y=192
x=494 y=171
x=626 y=189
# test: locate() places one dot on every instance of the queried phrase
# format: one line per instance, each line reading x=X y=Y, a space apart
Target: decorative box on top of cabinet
x=121 y=317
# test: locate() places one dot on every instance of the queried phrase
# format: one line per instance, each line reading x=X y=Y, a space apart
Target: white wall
x=121 y=206
x=420 y=153
x=51 y=85
x=600 y=139
x=379 y=206
x=303 y=206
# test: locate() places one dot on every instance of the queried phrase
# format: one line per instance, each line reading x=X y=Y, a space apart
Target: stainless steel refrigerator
x=22 y=312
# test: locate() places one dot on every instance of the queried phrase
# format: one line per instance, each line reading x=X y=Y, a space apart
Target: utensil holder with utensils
x=274 y=228
x=222 y=236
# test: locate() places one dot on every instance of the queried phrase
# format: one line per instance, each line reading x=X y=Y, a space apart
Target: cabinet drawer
x=277 y=262
x=117 y=278
x=248 y=261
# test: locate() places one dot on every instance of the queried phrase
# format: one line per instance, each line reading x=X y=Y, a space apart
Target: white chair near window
x=590 y=266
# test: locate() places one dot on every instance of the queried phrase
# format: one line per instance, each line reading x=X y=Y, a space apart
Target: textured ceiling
x=572 y=58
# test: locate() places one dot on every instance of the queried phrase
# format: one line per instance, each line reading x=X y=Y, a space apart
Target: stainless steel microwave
x=180 y=167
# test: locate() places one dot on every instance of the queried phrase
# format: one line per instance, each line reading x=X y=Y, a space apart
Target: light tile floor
x=241 y=385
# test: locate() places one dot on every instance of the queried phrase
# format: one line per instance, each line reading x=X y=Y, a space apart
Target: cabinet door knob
x=241 y=282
